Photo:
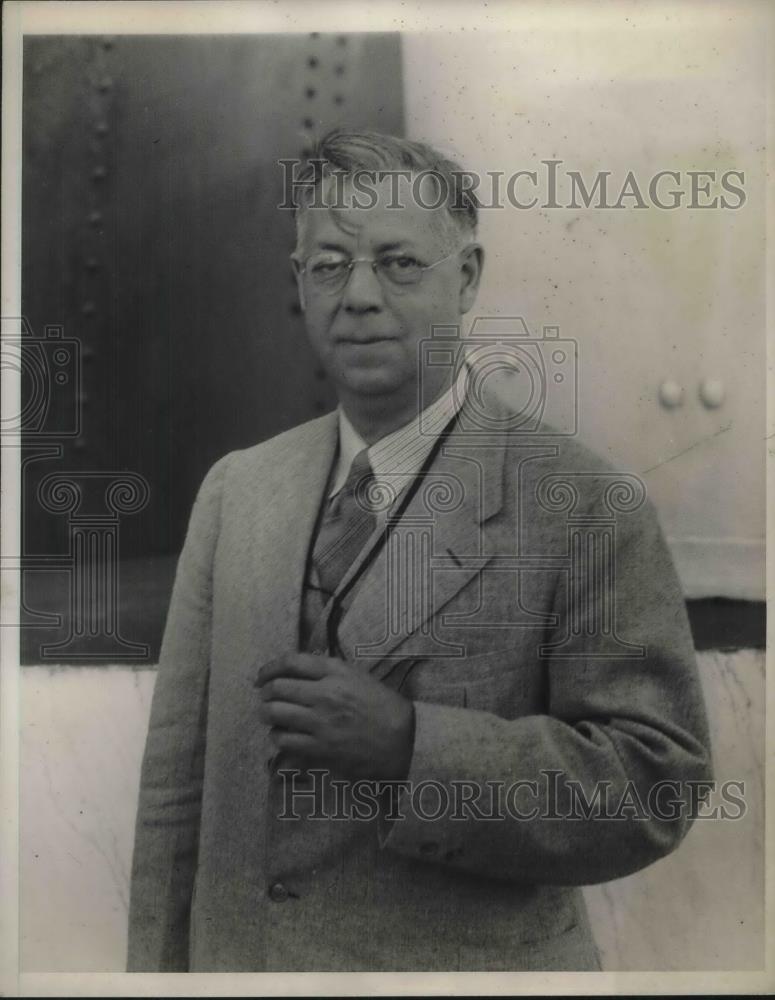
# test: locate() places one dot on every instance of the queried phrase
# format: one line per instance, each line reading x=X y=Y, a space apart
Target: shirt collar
x=402 y=451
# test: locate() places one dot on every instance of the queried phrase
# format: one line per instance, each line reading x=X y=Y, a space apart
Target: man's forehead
x=388 y=208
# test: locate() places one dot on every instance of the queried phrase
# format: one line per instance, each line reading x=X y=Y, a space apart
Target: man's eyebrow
x=326 y=245
x=396 y=245
x=407 y=244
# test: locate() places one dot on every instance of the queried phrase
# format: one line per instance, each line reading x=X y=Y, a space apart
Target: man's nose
x=363 y=291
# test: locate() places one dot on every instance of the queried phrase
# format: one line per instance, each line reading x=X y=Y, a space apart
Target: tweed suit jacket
x=542 y=636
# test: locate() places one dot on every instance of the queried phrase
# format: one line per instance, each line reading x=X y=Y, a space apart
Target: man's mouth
x=365 y=339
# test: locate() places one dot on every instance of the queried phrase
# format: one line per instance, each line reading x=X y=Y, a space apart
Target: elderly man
x=427 y=668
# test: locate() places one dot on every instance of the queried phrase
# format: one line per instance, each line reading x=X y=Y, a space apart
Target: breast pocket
x=486 y=681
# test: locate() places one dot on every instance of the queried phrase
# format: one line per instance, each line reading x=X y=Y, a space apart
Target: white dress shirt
x=397 y=458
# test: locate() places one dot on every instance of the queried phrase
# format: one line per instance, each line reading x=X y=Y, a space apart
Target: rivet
x=105 y=84
x=670 y=394
x=712 y=392
x=278 y=893
x=98 y=173
x=95 y=218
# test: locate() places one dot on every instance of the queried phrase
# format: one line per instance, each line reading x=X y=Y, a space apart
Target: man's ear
x=296 y=265
x=470 y=275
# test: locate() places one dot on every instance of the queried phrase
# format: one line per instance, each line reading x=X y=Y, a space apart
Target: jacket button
x=278 y=893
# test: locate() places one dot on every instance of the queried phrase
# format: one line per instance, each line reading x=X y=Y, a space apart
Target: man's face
x=367 y=334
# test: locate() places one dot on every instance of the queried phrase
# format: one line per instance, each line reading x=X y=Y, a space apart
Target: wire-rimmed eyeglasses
x=330 y=270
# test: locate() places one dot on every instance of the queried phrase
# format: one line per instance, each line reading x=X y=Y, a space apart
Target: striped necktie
x=346 y=526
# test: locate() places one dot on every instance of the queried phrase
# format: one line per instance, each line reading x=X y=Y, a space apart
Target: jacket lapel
x=435 y=549
x=287 y=492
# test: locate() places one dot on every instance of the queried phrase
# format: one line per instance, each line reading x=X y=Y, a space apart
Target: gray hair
x=351 y=151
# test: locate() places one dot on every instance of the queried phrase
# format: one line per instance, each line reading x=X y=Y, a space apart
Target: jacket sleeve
x=167 y=826
x=617 y=727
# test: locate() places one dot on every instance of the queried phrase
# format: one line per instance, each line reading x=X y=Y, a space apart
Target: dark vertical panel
x=151 y=233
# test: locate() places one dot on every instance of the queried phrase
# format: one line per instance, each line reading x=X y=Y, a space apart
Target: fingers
x=284 y=689
x=283 y=715
x=302 y=666
x=292 y=745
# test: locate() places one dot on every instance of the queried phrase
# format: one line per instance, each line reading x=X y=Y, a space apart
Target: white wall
x=83 y=731
x=649 y=294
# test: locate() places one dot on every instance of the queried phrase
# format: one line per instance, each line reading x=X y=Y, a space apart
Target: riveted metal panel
x=152 y=238
x=152 y=234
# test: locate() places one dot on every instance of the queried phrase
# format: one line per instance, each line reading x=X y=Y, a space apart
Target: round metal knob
x=671 y=394
x=278 y=893
x=712 y=392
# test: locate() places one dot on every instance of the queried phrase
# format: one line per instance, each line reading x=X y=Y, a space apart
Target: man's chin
x=370 y=382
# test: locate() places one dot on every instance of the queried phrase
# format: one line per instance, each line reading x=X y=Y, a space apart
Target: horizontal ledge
x=720 y=567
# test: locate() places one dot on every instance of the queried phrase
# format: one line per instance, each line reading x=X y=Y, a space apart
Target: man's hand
x=326 y=713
